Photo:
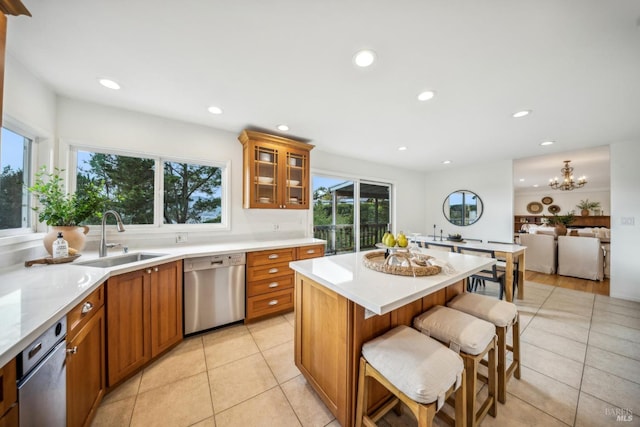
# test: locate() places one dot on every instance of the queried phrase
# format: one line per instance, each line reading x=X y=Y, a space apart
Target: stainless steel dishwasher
x=213 y=291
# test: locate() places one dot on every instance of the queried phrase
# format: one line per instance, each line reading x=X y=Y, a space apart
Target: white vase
x=74 y=235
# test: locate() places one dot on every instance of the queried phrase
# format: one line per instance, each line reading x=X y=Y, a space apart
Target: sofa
x=541 y=252
x=581 y=257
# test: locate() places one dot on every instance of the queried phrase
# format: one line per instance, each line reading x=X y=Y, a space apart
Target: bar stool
x=473 y=338
x=417 y=370
x=502 y=314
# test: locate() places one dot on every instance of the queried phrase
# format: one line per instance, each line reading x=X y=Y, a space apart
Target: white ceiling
x=574 y=63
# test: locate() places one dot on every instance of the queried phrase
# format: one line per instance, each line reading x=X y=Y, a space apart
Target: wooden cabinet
x=579 y=221
x=144 y=317
x=8 y=395
x=275 y=171
x=86 y=373
x=270 y=280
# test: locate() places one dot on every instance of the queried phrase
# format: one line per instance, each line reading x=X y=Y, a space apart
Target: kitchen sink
x=117 y=260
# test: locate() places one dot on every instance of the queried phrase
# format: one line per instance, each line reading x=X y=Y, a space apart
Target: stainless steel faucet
x=102 y=252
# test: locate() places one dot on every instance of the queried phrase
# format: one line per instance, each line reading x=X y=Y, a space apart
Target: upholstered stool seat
x=417 y=370
x=503 y=315
x=474 y=338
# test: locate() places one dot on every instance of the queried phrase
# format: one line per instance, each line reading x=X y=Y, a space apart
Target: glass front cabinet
x=275 y=171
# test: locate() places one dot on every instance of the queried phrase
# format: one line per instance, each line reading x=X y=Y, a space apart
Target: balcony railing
x=370 y=234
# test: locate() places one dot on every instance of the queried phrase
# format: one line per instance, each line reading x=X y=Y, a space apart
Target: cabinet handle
x=148 y=271
x=86 y=307
x=311 y=251
x=273 y=285
x=72 y=350
x=284 y=206
x=273 y=270
x=274 y=256
x=155 y=269
x=273 y=302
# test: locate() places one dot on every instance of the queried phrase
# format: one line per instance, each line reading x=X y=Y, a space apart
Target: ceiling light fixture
x=446 y=162
x=545 y=143
x=426 y=95
x=567 y=183
x=522 y=113
x=215 y=110
x=521 y=179
x=364 y=58
x=110 y=84
x=283 y=128
x=403 y=148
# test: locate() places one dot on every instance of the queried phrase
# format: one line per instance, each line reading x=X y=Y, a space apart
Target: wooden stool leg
x=471 y=369
x=363 y=393
x=493 y=409
x=502 y=364
x=516 y=345
x=461 y=403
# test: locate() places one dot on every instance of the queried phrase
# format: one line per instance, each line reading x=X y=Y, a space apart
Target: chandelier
x=567 y=183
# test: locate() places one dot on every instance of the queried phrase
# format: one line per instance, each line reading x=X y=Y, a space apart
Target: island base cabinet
x=144 y=317
x=8 y=395
x=86 y=371
x=329 y=333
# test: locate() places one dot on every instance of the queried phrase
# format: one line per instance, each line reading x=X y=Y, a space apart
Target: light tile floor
x=580 y=367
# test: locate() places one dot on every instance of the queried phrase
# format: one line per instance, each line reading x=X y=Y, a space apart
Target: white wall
x=566 y=200
x=492 y=182
x=625 y=203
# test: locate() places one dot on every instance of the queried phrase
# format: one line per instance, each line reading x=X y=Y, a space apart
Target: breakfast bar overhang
x=341 y=304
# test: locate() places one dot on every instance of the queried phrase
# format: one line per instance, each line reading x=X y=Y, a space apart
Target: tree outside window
x=14 y=171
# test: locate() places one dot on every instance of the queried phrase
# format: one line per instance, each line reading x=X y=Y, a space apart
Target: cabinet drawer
x=273 y=302
x=10 y=419
x=268 y=271
x=270 y=257
x=8 y=388
x=310 y=251
x=77 y=317
x=264 y=286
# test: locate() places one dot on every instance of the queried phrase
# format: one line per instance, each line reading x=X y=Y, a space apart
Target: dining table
x=512 y=253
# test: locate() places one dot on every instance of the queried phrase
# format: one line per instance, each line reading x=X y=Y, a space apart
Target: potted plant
x=586 y=206
x=65 y=212
x=560 y=222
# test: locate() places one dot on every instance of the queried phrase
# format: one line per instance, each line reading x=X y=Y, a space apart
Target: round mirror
x=462 y=207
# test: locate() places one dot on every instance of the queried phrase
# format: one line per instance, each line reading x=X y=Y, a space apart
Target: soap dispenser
x=60 y=247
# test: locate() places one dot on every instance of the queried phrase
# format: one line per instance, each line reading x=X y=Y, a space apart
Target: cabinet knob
x=72 y=350
x=148 y=271
x=273 y=285
x=86 y=307
x=156 y=269
x=274 y=256
x=284 y=206
x=273 y=270
x=311 y=251
x=273 y=302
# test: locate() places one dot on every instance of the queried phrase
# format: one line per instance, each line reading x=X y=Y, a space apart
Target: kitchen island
x=341 y=304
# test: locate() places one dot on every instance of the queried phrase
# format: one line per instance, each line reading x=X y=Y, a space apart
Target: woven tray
x=376 y=261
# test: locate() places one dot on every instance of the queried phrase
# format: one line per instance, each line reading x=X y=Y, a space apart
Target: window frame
x=158 y=199
x=30 y=166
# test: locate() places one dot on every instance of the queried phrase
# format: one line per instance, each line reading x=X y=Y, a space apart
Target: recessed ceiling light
x=522 y=113
x=109 y=84
x=521 y=179
x=446 y=162
x=403 y=148
x=545 y=143
x=535 y=185
x=364 y=58
x=215 y=110
x=283 y=127
x=426 y=95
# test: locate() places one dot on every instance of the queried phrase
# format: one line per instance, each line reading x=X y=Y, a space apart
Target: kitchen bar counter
x=34 y=298
x=340 y=304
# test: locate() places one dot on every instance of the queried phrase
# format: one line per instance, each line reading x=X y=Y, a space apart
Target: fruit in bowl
x=388 y=240
x=401 y=239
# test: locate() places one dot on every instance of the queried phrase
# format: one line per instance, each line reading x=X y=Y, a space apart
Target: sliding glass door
x=348 y=226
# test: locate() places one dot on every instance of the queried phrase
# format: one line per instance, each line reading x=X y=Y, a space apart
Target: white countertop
x=34 y=298
x=381 y=293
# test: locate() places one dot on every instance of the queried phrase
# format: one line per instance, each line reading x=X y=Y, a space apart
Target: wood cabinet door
x=86 y=371
x=128 y=329
x=8 y=388
x=166 y=306
x=294 y=188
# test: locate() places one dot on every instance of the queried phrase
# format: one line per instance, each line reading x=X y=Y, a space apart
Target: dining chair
x=492 y=274
x=502 y=264
x=439 y=247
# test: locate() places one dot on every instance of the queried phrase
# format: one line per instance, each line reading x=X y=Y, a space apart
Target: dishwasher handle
x=213 y=261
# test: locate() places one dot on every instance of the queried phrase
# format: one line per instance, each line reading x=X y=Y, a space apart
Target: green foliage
x=587 y=205
x=11 y=185
x=184 y=187
x=566 y=219
x=57 y=208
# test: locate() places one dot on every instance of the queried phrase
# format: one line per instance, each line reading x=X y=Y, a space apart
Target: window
x=155 y=191
x=15 y=158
